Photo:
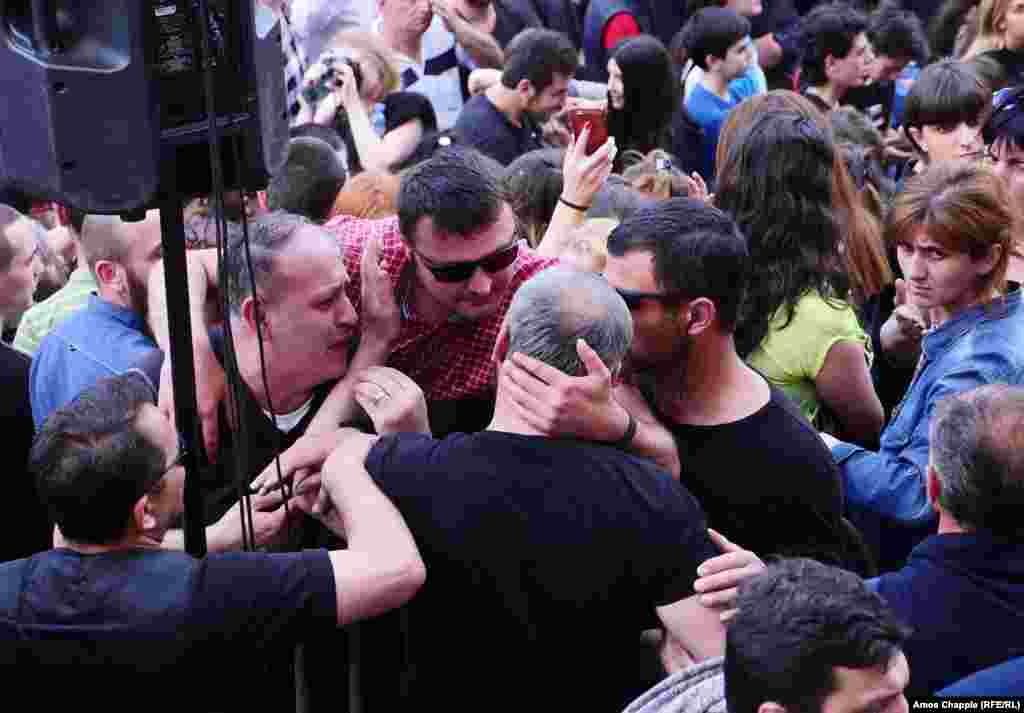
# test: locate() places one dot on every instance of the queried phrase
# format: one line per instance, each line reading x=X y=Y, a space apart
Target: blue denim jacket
x=99 y=341
x=982 y=345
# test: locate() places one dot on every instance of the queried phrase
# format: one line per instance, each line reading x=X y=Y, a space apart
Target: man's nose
x=481 y=282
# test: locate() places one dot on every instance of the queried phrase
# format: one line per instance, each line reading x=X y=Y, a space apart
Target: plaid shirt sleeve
x=295 y=64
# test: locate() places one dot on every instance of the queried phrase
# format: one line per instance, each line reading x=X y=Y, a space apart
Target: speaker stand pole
x=172 y=229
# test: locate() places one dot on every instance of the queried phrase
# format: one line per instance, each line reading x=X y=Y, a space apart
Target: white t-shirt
x=437 y=77
x=287 y=421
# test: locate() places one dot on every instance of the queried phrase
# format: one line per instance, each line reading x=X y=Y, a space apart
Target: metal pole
x=172 y=229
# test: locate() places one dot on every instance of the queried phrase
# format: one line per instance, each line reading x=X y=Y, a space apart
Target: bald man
x=109 y=336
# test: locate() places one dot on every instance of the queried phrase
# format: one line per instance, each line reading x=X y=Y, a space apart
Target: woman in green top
x=798 y=328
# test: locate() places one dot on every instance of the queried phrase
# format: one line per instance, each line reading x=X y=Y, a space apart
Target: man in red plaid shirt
x=453 y=278
x=453 y=259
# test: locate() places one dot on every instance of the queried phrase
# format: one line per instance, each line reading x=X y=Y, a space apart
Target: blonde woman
x=354 y=87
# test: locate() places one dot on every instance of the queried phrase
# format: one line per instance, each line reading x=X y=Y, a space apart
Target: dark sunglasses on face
x=462 y=271
x=634 y=299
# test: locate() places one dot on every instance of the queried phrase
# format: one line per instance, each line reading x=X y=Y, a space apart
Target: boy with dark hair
x=836 y=53
x=504 y=121
x=108 y=603
x=309 y=181
x=897 y=38
x=805 y=638
x=718 y=41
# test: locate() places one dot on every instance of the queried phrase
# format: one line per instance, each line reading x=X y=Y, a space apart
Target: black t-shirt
x=767 y=482
x=546 y=559
x=486 y=129
x=399 y=107
x=189 y=634
x=220 y=491
x=30 y=531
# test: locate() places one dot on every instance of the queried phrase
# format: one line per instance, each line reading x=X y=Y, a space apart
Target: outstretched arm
x=201 y=267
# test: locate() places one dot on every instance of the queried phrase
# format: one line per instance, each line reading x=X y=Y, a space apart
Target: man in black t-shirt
x=548 y=557
x=504 y=121
x=109 y=610
x=758 y=468
x=294 y=339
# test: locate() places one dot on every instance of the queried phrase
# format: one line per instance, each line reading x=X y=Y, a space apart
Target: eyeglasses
x=462 y=271
x=633 y=298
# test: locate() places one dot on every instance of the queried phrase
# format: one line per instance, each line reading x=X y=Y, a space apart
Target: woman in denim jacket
x=952 y=226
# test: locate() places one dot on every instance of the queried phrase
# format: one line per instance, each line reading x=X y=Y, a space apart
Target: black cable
x=201 y=15
x=286 y=490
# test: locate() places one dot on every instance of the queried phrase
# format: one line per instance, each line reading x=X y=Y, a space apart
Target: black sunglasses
x=633 y=298
x=462 y=271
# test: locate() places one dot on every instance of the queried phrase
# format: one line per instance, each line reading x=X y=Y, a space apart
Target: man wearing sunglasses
x=455 y=256
x=109 y=604
x=757 y=467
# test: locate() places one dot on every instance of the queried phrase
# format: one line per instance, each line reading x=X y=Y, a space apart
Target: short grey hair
x=269 y=235
x=559 y=306
x=103 y=238
x=977 y=450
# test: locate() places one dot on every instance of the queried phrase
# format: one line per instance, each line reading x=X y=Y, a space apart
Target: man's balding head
x=104 y=237
x=559 y=306
x=977 y=454
x=121 y=254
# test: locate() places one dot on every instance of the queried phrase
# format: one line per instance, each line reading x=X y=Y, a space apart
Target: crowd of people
x=622 y=355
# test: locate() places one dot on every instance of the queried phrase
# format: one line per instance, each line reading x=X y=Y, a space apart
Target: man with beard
x=758 y=467
x=762 y=474
x=109 y=336
x=504 y=122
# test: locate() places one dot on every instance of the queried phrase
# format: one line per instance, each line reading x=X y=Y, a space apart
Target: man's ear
x=702 y=316
x=711 y=62
x=107 y=272
x=142 y=515
x=250 y=307
x=830 y=63
x=525 y=90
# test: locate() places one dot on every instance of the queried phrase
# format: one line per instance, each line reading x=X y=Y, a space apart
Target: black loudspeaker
x=100 y=97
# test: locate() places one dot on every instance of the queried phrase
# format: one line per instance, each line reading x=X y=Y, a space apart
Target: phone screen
x=598 y=120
